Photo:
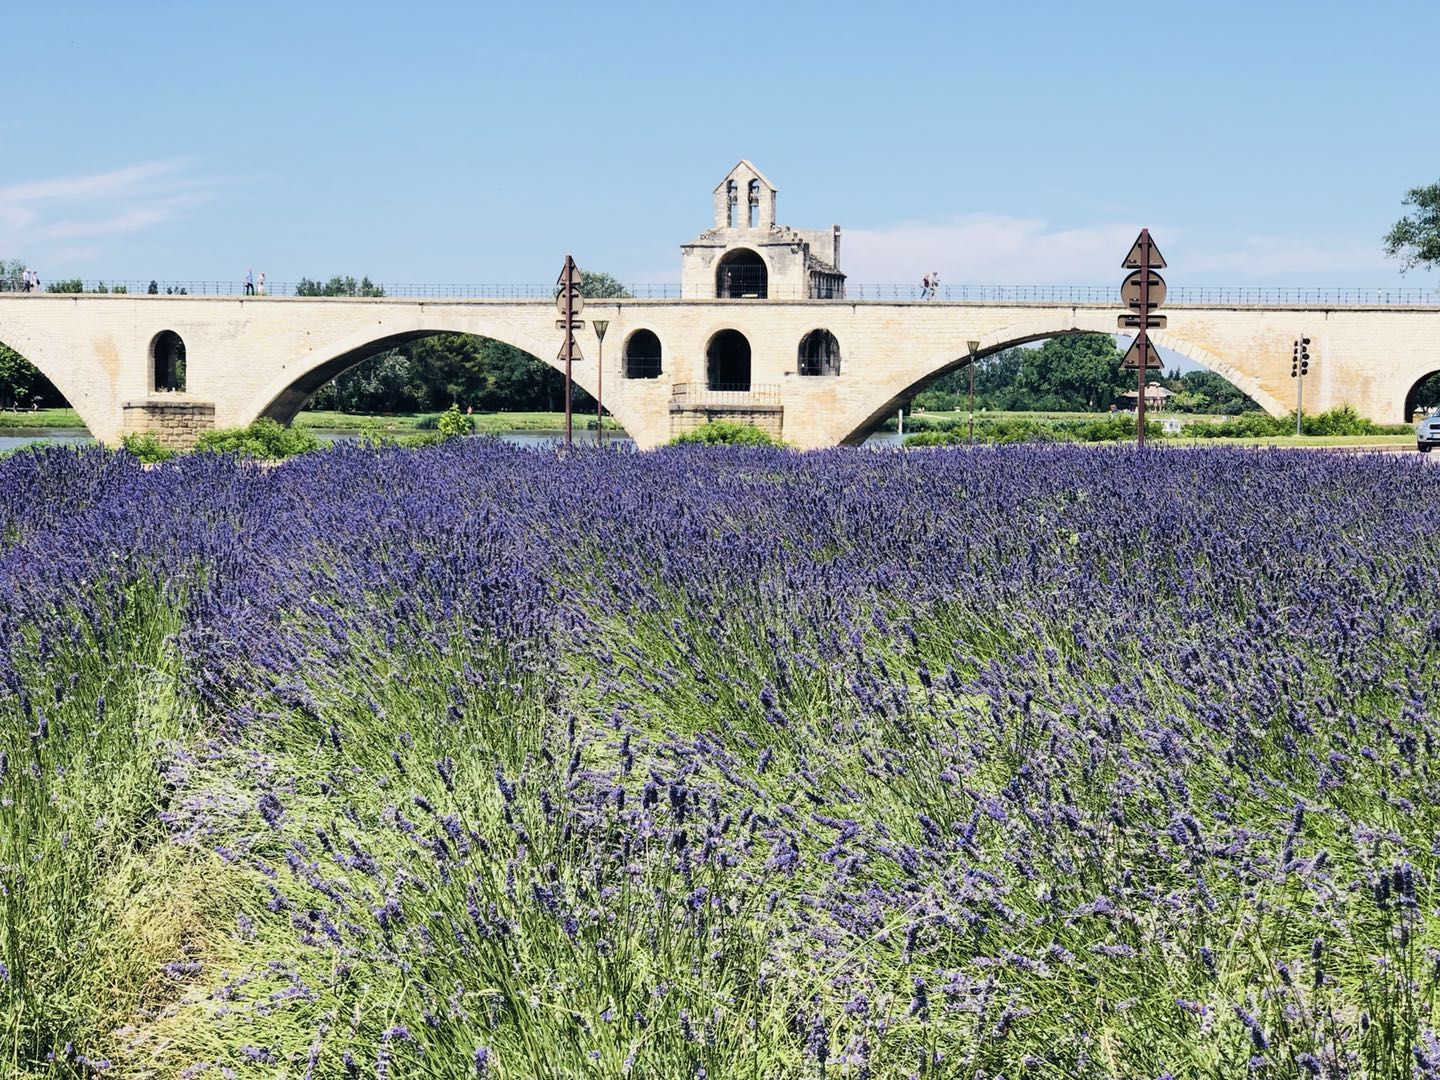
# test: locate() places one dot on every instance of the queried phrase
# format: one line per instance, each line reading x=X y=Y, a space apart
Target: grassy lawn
x=997 y=414
x=41 y=418
x=319 y=420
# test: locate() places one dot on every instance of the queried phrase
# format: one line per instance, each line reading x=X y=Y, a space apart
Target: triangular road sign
x=1132 y=261
x=1137 y=350
x=574 y=350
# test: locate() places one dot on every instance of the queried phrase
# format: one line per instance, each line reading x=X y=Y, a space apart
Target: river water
x=14 y=438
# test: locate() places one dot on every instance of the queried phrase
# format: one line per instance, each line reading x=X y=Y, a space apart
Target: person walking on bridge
x=249 y=282
x=261 y=287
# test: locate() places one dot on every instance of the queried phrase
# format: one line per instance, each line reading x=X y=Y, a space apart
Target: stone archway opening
x=1423 y=397
x=642 y=355
x=23 y=386
x=819 y=354
x=167 y=362
x=727 y=362
x=1084 y=378
x=742 y=274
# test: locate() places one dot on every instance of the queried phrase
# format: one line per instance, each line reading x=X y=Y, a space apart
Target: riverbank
x=41 y=418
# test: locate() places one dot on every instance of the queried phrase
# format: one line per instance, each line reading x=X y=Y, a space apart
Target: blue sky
x=1266 y=143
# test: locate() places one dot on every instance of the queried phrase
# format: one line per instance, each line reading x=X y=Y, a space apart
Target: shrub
x=147 y=448
x=726 y=433
x=1014 y=429
x=432 y=423
x=453 y=423
x=1342 y=420
x=265 y=439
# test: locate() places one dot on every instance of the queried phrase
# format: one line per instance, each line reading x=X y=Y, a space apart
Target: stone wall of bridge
x=253 y=356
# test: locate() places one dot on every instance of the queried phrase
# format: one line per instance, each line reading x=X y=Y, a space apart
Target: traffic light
x=1304 y=355
x=1295 y=360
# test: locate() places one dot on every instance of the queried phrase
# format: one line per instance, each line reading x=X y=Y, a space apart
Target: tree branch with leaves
x=1415 y=238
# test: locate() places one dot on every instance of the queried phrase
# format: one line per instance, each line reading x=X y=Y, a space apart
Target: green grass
x=41 y=418
x=82 y=848
x=485 y=423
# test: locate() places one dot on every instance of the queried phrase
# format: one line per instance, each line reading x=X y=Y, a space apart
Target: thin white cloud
x=128 y=221
x=40 y=220
x=998 y=249
x=988 y=248
x=1272 y=256
x=117 y=182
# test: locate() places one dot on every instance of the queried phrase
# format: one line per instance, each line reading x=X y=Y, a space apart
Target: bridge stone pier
x=817 y=372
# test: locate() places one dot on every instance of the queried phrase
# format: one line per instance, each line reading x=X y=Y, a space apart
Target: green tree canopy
x=339 y=286
x=1074 y=372
x=598 y=285
x=436 y=372
x=1415 y=238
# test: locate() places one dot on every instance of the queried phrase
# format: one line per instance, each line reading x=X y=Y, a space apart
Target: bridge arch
x=854 y=427
x=68 y=380
x=284 y=397
x=1423 y=395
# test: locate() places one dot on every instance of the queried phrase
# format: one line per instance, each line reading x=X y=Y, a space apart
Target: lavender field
x=481 y=762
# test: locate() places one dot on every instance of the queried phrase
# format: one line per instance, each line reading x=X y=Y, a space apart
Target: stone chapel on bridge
x=746 y=255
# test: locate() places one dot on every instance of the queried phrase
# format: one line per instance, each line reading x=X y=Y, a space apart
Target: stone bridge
x=670 y=364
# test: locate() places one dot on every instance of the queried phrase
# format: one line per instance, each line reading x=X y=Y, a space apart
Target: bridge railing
x=1086 y=295
x=723 y=395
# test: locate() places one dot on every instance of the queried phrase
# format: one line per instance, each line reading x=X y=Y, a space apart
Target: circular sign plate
x=1130 y=290
x=560 y=301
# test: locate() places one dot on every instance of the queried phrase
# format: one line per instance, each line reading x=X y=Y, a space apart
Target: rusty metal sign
x=1132 y=322
x=1142 y=347
x=574 y=349
x=1136 y=259
x=1143 y=291
x=568 y=302
x=1130 y=291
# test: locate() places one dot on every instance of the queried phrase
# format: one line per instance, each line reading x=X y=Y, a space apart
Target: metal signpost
x=601 y=325
x=1142 y=292
x=974 y=347
x=569 y=303
x=1299 y=366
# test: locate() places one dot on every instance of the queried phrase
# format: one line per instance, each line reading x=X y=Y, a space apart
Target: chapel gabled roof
x=751 y=166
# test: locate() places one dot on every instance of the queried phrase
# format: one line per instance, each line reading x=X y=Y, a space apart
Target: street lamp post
x=974 y=347
x=601 y=325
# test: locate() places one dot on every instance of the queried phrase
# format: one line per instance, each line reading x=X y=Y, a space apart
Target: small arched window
x=642 y=355
x=819 y=354
x=732 y=196
x=167 y=361
x=754 y=209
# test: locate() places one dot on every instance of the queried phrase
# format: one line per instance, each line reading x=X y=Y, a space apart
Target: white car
x=1427 y=434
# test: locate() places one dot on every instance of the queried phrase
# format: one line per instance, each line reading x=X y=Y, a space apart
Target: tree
x=598 y=285
x=338 y=286
x=1415 y=238
x=433 y=373
x=11 y=275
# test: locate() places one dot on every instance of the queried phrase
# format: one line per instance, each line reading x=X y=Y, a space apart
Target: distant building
x=746 y=256
x=1155 y=396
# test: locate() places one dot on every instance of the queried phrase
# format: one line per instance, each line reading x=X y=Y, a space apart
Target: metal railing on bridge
x=724 y=395
x=1086 y=295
